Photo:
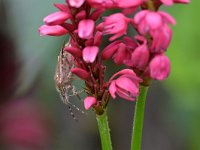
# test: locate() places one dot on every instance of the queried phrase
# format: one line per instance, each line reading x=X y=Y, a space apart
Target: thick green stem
x=138 y=119
x=104 y=131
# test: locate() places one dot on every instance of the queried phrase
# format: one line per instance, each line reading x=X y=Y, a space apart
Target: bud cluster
x=143 y=55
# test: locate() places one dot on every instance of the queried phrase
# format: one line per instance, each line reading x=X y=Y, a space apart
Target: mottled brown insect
x=64 y=79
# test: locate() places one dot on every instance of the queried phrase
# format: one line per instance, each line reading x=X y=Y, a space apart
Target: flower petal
x=90 y=53
x=76 y=3
x=127 y=85
x=112 y=89
x=89 y=102
x=56 y=30
x=86 y=29
x=80 y=73
x=56 y=18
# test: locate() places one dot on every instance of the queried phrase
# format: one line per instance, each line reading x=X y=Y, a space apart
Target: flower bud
x=89 y=102
x=140 y=56
x=80 y=73
x=76 y=52
x=115 y=24
x=56 y=30
x=109 y=50
x=126 y=86
x=97 y=38
x=128 y=3
x=81 y=15
x=90 y=53
x=75 y=3
x=62 y=7
x=171 y=2
x=159 y=67
x=56 y=18
x=86 y=29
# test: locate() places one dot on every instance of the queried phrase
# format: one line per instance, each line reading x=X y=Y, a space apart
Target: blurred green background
x=172 y=117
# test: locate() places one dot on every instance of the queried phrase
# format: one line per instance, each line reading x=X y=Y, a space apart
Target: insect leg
x=72 y=114
x=76 y=93
x=69 y=103
x=66 y=101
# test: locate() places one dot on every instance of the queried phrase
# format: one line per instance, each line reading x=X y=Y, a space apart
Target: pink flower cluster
x=143 y=54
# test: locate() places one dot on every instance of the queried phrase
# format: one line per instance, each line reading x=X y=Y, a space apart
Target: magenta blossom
x=161 y=39
x=90 y=53
x=56 y=30
x=86 y=29
x=148 y=21
x=76 y=52
x=62 y=7
x=139 y=57
x=101 y=3
x=171 y=2
x=159 y=67
x=142 y=53
x=128 y=3
x=118 y=51
x=126 y=86
x=81 y=73
x=56 y=18
x=115 y=24
x=75 y=3
x=155 y=24
x=89 y=102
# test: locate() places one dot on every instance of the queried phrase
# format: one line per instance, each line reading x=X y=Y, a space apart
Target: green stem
x=104 y=130
x=138 y=119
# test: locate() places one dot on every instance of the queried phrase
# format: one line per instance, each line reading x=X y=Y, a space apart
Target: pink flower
x=126 y=86
x=109 y=50
x=130 y=42
x=156 y=24
x=128 y=3
x=121 y=54
x=89 y=102
x=140 y=57
x=98 y=38
x=148 y=21
x=171 y=2
x=101 y=3
x=56 y=18
x=90 y=53
x=115 y=24
x=161 y=39
x=56 y=30
x=117 y=50
x=62 y=7
x=80 y=73
x=75 y=3
x=86 y=29
x=81 y=15
x=96 y=13
x=76 y=52
x=159 y=67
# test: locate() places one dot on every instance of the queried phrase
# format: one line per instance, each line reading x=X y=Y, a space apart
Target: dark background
x=32 y=117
